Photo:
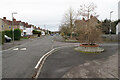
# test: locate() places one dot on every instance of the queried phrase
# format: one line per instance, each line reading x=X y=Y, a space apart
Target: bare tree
x=88 y=33
x=69 y=19
x=65 y=29
x=87 y=10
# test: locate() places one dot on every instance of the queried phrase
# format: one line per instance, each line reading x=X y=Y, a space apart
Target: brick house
x=83 y=23
x=1 y=25
x=25 y=28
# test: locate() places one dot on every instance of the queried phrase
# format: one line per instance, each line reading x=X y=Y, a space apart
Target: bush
x=2 y=38
x=17 y=34
x=8 y=33
x=37 y=32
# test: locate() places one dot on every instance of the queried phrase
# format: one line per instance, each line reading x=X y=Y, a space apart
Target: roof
x=25 y=24
x=8 y=22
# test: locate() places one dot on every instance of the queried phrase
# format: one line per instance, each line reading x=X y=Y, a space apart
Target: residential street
x=59 y=39
x=20 y=63
x=65 y=59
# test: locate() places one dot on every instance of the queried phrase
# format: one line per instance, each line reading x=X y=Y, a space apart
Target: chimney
x=91 y=16
x=26 y=23
x=4 y=17
x=83 y=19
x=14 y=19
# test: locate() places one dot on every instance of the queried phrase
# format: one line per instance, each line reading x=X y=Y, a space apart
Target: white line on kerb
x=43 y=58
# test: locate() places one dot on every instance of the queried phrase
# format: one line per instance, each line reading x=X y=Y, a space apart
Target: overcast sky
x=50 y=12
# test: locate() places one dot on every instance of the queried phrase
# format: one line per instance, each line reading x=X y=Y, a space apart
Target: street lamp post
x=110 y=24
x=12 y=26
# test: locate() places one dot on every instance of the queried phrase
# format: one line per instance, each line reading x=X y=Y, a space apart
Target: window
x=9 y=27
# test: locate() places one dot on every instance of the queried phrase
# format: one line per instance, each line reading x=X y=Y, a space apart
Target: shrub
x=37 y=32
x=2 y=38
x=17 y=34
x=8 y=33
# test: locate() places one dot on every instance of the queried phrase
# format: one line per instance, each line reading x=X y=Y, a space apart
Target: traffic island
x=89 y=48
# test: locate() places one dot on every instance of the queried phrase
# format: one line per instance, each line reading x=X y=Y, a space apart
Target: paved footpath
x=100 y=68
x=66 y=59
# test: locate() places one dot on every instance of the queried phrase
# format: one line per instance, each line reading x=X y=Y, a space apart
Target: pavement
x=20 y=61
x=66 y=61
x=96 y=69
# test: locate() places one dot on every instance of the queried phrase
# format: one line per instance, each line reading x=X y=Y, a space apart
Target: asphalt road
x=61 y=61
x=20 y=63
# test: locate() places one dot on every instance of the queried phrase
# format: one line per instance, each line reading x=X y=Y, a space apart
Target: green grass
x=24 y=38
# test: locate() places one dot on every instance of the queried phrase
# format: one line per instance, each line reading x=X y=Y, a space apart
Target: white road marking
x=23 y=49
x=15 y=49
x=43 y=58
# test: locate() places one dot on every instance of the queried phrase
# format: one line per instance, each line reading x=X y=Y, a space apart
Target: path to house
x=66 y=63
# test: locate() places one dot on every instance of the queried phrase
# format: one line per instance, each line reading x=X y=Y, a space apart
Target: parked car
x=52 y=34
x=7 y=39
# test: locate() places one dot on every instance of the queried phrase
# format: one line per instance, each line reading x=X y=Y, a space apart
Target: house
x=118 y=25
x=1 y=25
x=41 y=30
x=25 y=28
x=93 y=21
x=118 y=28
x=7 y=24
x=29 y=29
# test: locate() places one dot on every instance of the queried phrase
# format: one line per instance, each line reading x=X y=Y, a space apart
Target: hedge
x=2 y=38
x=8 y=33
x=37 y=32
x=17 y=34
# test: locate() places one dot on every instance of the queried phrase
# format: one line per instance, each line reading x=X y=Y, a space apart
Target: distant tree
x=69 y=19
x=65 y=29
x=105 y=26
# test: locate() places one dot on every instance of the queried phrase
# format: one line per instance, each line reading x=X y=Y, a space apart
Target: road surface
x=20 y=61
x=61 y=61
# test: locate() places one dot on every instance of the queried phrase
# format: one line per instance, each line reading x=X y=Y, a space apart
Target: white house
x=118 y=29
x=23 y=28
x=118 y=26
x=29 y=29
x=26 y=29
